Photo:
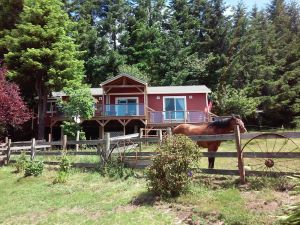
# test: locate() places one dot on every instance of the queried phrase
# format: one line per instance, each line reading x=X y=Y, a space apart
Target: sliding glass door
x=174 y=108
x=127 y=106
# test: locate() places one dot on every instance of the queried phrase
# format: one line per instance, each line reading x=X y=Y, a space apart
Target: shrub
x=61 y=178
x=170 y=173
x=65 y=164
x=64 y=170
x=34 y=168
x=116 y=169
x=21 y=163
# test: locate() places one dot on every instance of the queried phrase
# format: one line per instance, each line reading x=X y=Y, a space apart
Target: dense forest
x=250 y=59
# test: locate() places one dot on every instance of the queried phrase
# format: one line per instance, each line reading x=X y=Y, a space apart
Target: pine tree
x=42 y=53
x=213 y=39
x=9 y=17
x=142 y=41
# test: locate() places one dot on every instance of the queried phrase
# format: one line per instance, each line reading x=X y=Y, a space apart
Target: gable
x=123 y=80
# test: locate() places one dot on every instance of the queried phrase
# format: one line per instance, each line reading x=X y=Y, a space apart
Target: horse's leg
x=211 y=160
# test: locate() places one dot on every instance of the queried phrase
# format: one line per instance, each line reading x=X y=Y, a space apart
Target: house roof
x=123 y=75
x=94 y=91
x=154 y=90
x=178 y=89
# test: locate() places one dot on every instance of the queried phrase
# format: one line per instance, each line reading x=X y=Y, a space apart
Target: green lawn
x=88 y=198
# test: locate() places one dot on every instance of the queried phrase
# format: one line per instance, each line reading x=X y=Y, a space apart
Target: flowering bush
x=170 y=173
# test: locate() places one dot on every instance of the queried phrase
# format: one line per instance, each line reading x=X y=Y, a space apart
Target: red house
x=124 y=104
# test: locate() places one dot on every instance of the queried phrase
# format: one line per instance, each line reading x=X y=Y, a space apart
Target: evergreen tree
x=142 y=41
x=9 y=16
x=213 y=39
x=42 y=53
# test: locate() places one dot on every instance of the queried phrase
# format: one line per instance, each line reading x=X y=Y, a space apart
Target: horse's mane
x=220 y=123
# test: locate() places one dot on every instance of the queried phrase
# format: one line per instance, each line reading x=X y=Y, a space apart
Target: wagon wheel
x=126 y=146
x=269 y=152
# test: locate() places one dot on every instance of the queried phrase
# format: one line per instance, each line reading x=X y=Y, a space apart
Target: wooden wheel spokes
x=271 y=152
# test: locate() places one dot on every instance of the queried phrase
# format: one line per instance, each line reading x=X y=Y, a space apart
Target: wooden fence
x=107 y=146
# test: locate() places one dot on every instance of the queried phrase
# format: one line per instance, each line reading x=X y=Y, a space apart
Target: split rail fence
x=140 y=159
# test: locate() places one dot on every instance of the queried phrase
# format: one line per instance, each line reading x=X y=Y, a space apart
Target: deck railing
x=157 y=117
x=124 y=110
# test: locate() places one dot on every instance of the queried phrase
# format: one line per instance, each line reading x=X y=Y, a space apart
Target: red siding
x=198 y=101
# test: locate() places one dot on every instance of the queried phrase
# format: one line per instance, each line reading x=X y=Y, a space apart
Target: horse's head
x=236 y=120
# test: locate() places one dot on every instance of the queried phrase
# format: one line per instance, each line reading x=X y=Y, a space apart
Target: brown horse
x=224 y=126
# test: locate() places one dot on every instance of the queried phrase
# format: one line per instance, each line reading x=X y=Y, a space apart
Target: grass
x=88 y=198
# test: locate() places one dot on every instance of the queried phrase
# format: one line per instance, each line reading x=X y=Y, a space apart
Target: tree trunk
x=42 y=103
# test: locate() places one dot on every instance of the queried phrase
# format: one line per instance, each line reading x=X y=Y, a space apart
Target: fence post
x=141 y=135
x=64 y=142
x=169 y=131
x=160 y=135
x=8 y=150
x=6 y=140
x=50 y=140
x=106 y=146
x=237 y=135
x=77 y=139
x=32 y=154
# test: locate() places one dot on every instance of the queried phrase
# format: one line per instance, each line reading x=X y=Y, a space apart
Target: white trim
x=185 y=105
x=51 y=106
x=140 y=93
x=194 y=89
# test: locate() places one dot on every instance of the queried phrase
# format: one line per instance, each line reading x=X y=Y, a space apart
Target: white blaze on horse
x=224 y=126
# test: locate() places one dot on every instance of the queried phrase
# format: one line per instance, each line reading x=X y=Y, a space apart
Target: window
x=174 y=107
x=127 y=106
x=51 y=106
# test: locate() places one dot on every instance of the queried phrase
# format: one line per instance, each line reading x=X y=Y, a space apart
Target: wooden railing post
x=64 y=142
x=106 y=146
x=239 y=154
x=8 y=151
x=6 y=140
x=32 y=154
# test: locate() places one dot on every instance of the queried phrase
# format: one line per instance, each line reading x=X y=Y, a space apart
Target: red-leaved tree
x=13 y=110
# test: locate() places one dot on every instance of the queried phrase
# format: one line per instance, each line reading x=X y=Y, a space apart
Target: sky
x=249 y=3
